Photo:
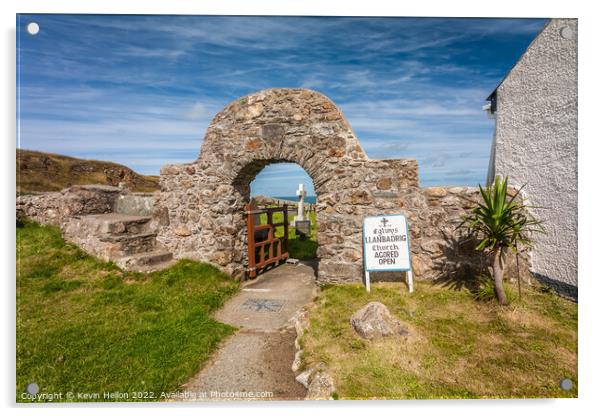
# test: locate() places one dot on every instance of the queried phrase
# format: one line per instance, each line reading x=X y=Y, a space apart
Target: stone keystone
x=375 y=321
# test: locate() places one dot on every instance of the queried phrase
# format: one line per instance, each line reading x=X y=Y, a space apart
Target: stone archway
x=199 y=211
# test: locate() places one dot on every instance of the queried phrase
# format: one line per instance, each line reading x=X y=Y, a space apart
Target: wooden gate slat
x=277 y=247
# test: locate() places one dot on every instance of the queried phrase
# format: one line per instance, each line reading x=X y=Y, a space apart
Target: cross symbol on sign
x=384 y=221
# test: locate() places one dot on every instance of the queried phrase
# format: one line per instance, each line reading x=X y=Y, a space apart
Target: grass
x=84 y=325
x=460 y=347
x=298 y=248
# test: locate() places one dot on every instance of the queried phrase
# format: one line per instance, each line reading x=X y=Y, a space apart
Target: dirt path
x=258 y=358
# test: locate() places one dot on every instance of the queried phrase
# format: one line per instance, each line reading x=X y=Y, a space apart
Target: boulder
x=375 y=321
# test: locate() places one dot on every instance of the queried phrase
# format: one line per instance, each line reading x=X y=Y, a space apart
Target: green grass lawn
x=298 y=249
x=460 y=348
x=83 y=325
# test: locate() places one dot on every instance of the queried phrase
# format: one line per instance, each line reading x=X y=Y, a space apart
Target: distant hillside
x=41 y=172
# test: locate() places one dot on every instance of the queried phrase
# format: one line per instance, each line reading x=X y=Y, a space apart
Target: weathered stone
x=431 y=246
x=359 y=197
x=255 y=110
x=437 y=192
x=169 y=170
x=303 y=377
x=351 y=256
x=221 y=258
x=272 y=131
x=420 y=266
x=375 y=321
x=297 y=361
x=183 y=231
x=320 y=385
x=253 y=144
x=451 y=201
x=384 y=184
x=301 y=322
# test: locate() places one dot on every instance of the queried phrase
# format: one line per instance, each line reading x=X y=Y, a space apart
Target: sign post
x=387 y=247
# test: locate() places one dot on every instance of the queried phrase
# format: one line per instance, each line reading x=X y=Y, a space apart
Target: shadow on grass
x=460 y=264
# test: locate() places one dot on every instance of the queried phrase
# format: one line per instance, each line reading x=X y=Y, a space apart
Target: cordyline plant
x=500 y=223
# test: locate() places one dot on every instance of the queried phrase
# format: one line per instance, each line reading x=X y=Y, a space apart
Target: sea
x=311 y=199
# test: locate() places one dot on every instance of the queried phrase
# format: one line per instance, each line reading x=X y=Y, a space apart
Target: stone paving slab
x=289 y=286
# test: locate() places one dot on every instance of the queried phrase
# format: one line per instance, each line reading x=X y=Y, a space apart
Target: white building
x=535 y=143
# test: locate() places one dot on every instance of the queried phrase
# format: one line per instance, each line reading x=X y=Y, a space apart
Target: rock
x=420 y=265
x=432 y=246
x=253 y=144
x=297 y=361
x=183 y=231
x=301 y=322
x=255 y=110
x=169 y=170
x=375 y=321
x=436 y=191
x=359 y=197
x=384 y=184
x=272 y=131
x=303 y=377
x=321 y=384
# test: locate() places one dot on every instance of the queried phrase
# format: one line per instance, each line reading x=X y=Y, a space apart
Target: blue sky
x=141 y=90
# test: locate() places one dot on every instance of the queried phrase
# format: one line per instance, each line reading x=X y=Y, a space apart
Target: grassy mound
x=85 y=326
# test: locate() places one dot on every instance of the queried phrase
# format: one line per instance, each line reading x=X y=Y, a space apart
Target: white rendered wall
x=536 y=145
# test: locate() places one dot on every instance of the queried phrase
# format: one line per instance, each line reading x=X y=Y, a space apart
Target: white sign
x=386 y=246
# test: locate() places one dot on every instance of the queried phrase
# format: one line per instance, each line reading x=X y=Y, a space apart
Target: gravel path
x=255 y=363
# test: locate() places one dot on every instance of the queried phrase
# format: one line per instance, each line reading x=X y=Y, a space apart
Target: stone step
x=146 y=262
x=124 y=224
x=128 y=244
x=124 y=239
x=114 y=224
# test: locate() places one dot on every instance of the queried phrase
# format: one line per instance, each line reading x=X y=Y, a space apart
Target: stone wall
x=53 y=208
x=200 y=209
x=439 y=249
x=536 y=144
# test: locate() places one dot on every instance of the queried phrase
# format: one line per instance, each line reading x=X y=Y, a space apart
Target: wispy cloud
x=141 y=90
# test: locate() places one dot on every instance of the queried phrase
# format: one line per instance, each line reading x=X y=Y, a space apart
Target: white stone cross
x=300 y=209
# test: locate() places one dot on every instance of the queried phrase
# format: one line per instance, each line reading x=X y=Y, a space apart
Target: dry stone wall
x=199 y=212
x=53 y=208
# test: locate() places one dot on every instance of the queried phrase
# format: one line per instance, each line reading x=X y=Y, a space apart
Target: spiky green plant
x=500 y=222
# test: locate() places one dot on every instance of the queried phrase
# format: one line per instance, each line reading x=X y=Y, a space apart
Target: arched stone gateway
x=200 y=209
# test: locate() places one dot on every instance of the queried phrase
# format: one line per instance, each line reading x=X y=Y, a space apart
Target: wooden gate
x=264 y=248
